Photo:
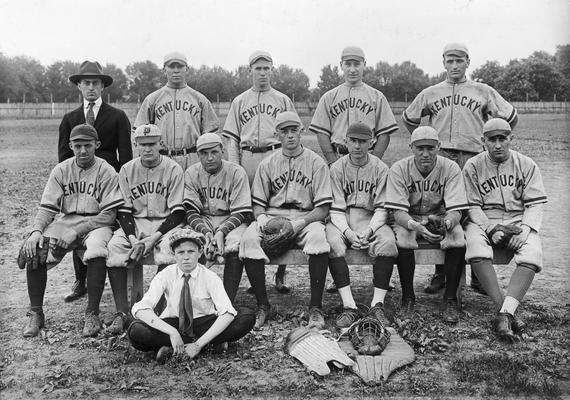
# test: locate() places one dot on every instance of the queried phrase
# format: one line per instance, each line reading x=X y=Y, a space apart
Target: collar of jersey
x=302 y=151
x=454 y=83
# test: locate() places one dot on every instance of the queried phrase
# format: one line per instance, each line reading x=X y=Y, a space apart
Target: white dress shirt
x=96 y=107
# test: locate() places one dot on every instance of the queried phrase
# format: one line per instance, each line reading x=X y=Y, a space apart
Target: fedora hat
x=91 y=70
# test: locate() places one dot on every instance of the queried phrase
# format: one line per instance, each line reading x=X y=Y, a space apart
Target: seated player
x=293 y=182
x=152 y=186
x=358 y=220
x=77 y=210
x=504 y=187
x=217 y=199
x=419 y=187
x=198 y=311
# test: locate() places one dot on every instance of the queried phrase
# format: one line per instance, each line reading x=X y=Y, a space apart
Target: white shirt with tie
x=96 y=107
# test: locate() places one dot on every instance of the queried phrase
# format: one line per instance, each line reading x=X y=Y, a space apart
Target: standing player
x=218 y=201
x=78 y=208
x=504 y=187
x=419 y=187
x=250 y=125
x=152 y=186
x=114 y=131
x=457 y=108
x=358 y=219
x=293 y=182
x=181 y=113
x=353 y=101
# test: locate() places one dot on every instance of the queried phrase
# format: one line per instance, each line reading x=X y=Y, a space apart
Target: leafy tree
x=543 y=75
x=9 y=82
x=293 y=82
x=118 y=91
x=562 y=58
x=144 y=77
x=31 y=76
x=214 y=83
x=242 y=80
x=329 y=79
x=58 y=84
x=488 y=73
x=514 y=84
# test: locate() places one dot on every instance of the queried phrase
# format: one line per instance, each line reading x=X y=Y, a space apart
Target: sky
x=306 y=34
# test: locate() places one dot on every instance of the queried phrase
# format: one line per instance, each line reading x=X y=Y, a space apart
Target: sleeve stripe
x=230 y=135
x=318 y=129
x=457 y=207
x=49 y=207
x=259 y=202
x=512 y=116
x=126 y=210
x=322 y=202
x=473 y=204
x=389 y=129
x=397 y=206
x=114 y=204
x=177 y=207
x=191 y=206
x=410 y=121
x=535 y=201
x=241 y=210
x=338 y=210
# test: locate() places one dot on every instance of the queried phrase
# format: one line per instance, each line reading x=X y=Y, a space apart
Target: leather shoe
x=280 y=282
x=517 y=325
x=450 y=312
x=377 y=311
x=316 y=318
x=503 y=327
x=261 y=315
x=437 y=283
x=78 y=290
x=407 y=307
x=347 y=317
x=92 y=325
x=35 y=322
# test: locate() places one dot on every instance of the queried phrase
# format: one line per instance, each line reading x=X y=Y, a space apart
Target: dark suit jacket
x=113 y=128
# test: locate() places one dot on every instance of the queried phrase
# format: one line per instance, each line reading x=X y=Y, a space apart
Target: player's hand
x=497 y=236
x=32 y=243
x=67 y=238
x=177 y=343
x=149 y=243
x=353 y=238
x=420 y=228
x=517 y=241
x=298 y=225
x=262 y=221
x=218 y=243
x=365 y=237
x=192 y=350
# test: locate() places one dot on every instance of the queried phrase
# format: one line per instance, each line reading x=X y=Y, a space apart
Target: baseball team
x=198 y=194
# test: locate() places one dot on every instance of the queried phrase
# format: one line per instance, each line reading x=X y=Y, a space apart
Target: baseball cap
x=208 y=140
x=147 y=134
x=496 y=127
x=424 y=135
x=358 y=130
x=83 y=132
x=186 y=234
x=175 y=56
x=287 y=118
x=259 y=54
x=352 y=53
x=456 y=49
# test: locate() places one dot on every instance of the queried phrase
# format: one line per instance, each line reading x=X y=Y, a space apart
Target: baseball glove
x=436 y=225
x=369 y=336
x=509 y=231
x=35 y=262
x=278 y=236
x=137 y=252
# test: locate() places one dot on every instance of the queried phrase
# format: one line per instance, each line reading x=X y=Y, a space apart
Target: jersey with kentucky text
x=221 y=193
x=457 y=111
x=441 y=191
x=181 y=114
x=302 y=182
x=152 y=192
x=344 y=105
x=251 y=119
x=71 y=189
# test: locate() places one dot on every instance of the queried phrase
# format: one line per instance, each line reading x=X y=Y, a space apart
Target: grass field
x=451 y=362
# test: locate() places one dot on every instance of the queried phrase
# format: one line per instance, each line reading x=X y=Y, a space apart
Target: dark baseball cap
x=358 y=130
x=83 y=132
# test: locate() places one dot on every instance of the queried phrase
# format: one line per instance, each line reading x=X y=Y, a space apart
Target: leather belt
x=292 y=206
x=340 y=148
x=261 y=149
x=177 y=152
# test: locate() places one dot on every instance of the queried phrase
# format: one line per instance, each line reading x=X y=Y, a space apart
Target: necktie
x=185 y=309
x=90 y=117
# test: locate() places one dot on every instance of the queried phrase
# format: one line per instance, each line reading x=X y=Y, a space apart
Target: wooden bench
x=427 y=254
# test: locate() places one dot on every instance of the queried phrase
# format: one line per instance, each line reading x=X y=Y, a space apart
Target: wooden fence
x=57 y=110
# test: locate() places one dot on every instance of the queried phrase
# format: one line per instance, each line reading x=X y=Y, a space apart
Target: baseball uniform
x=441 y=191
x=457 y=111
x=346 y=104
x=217 y=196
x=251 y=123
x=290 y=187
x=182 y=115
x=506 y=192
x=358 y=191
x=151 y=196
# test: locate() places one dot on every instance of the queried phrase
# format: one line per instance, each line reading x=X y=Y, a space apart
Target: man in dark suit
x=113 y=128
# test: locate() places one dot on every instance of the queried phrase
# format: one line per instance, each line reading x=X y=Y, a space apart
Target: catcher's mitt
x=436 y=225
x=277 y=237
x=32 y=263
x=509 y=231
x=369 y=336
x=137 y=252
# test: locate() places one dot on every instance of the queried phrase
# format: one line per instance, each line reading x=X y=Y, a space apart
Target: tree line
x=538 y=77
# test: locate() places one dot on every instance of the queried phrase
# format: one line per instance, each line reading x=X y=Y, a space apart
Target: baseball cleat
x=347 y=317
x=450 y=312
x=261 y=315
x=407 y=307
x=316 y=318
x=92 y=325
x=503 y=327
x=377 y=311
x=34 y=324
x=78 y=290
x=437 y=283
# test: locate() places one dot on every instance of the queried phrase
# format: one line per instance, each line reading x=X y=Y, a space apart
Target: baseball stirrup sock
x=521 y=279
x=382 y=272
x=318 y=275
x=485 y=271
x=406 y=262
x=233 y=271
x=339 y=271
x=37 y=281
x=255 y=270
x=454 y=263
x=118 y=281
x=96 y=275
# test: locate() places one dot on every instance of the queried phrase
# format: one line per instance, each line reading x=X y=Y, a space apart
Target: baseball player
x=421 y=186
x=250 y=125
x=181 y=113
x=457 y=108
x=78 y=208
x=353 y=101
x=114 y=131
x=152 y=186
x=198 y=311
x=293 y=182
x=358 y=219
x=218 y=200
x=504 y=187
